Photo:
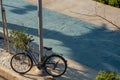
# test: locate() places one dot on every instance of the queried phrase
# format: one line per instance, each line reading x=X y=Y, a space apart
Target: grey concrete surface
x=85 y=10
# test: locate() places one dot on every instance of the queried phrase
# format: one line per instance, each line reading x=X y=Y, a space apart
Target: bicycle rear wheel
x=21 y=63
x=55 y=65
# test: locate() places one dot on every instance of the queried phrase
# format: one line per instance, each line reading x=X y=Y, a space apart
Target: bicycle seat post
x=47 y=49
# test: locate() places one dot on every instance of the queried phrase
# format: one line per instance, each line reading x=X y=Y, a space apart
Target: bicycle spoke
x=21 y=63
x=55 y=65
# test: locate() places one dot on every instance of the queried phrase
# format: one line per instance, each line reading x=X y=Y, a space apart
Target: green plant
x=19 y=39
x=118 y=1
x=115 y=3
x=106 y=2
x=107 y=75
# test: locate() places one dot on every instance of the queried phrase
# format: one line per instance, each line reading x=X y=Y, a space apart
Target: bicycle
x=55 y=65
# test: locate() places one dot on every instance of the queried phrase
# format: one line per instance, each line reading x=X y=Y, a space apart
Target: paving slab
x=82 y=73
x=11 y=75
x=85 y=10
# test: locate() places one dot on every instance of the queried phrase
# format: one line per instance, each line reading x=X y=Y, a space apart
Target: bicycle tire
x=55 y=65
x=17 y=60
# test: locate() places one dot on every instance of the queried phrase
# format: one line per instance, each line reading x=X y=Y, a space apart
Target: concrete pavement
x=2 y=78
x=77 y=37
x=11 y=75
x=87 y=10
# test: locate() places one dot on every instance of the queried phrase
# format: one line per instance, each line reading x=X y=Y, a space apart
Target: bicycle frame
x=31 y=54
x=50 y=62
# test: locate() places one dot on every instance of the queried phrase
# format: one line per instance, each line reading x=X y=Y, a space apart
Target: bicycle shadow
x=34 y=74
x=73 y=73
x=69 y=75
x=77 y=71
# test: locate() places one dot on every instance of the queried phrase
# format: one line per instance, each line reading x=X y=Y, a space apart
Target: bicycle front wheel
x=55 y=65
x=21 y=63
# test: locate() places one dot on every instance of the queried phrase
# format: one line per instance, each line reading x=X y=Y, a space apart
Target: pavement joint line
x=11 y=75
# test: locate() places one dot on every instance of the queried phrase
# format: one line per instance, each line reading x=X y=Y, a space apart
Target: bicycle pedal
x=39 y=67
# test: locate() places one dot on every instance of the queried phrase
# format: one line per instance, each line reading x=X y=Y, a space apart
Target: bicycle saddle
x=47 y=48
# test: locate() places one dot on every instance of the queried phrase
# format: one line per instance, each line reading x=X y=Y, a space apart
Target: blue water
x=94 y=46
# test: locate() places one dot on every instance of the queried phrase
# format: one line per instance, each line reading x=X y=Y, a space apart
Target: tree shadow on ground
x=28 y=30
x=75 y=74
x=71 y=74
x=1 y=40
x=23 y=10
x=99 y=49
x=1 y=36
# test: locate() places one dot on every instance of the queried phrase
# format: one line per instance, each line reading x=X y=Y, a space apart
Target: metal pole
x=40 y=30
x=6 y=30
